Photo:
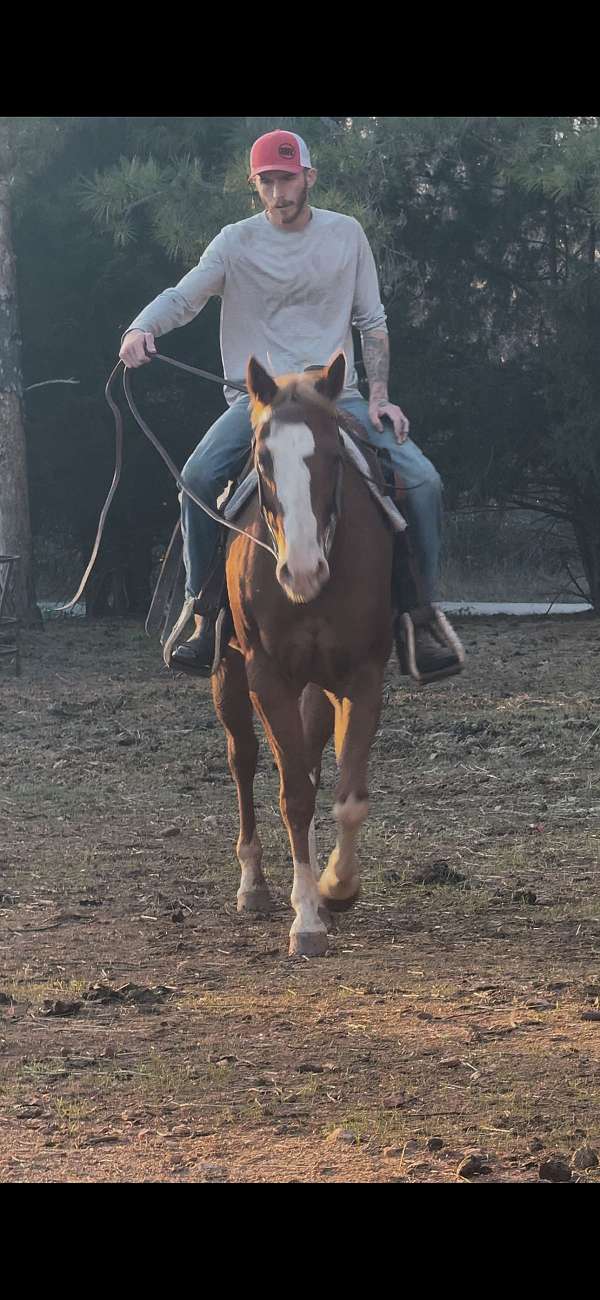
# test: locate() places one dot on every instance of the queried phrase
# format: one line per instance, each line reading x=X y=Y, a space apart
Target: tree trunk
x=15 y=525
x=587 y=534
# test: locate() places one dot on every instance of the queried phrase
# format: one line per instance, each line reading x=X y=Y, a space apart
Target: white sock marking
x=306 y=901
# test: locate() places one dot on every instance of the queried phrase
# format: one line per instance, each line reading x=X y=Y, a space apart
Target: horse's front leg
x=357 y=718
x=277 y=705
x=232 y=704
x=318 y=720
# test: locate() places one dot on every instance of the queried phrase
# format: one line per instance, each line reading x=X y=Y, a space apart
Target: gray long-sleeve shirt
x=288 y=297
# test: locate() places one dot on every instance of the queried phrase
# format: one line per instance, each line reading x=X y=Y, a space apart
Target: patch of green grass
x=213 y=1074
x=159 y=1078
x=385 y=1126
x=313 y=1088
x=36 y=991
x=203 y=1002
x=71 y=1112
x=41 y=1069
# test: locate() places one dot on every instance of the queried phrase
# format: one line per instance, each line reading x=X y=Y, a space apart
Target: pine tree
x=485 y=234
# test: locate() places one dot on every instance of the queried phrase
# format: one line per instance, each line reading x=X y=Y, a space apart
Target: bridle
x=172 y=468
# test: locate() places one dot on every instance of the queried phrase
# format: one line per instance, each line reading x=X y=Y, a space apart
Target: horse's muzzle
x=302 y=586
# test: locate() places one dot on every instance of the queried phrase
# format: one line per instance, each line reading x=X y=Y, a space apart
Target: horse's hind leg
x=278 y=709
x=357 y=717
x=232 y=703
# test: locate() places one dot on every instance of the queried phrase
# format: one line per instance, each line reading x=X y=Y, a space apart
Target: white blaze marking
x=290 y=445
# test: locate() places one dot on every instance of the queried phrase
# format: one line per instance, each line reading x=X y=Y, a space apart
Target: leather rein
x=172 y=468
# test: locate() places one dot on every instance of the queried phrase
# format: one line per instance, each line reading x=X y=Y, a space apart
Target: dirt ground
x=149 y=1034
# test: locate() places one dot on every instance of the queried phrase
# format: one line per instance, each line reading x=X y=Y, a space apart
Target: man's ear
x=333 y=381
x=261 y=385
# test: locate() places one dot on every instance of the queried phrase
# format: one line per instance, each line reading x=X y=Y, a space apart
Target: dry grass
x=444 y=1010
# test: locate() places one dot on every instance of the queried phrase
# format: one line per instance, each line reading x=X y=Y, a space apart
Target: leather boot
x=197 y=655
x=427 y=645
x=432 y=657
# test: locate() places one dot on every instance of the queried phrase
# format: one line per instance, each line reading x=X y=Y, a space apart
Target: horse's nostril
x=304 y=580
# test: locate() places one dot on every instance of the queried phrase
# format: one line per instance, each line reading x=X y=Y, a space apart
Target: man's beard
x=290 y=214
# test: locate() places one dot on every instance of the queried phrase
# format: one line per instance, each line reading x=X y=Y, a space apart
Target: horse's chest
x=310 y=653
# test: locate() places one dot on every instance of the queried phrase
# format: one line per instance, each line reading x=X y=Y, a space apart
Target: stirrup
x=441 y=630
x=223 y=629
x=220 y=633
x=187 y=612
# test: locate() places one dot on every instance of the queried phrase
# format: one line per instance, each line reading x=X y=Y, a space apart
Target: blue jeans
x=224 y=449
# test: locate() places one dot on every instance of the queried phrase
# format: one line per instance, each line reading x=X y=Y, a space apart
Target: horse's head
x=298 y=459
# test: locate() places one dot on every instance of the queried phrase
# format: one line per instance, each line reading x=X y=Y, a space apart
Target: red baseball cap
x=278 y=151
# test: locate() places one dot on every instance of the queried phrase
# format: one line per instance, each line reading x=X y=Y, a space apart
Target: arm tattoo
x=376 y=356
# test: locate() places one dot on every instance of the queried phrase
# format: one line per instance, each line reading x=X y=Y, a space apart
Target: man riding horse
x=293 y=281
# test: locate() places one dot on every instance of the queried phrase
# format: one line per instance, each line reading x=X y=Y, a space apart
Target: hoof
x=255 y=900
x=308 y=943
x=343 y=904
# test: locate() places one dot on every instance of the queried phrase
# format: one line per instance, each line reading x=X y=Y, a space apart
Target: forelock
x=292 y=391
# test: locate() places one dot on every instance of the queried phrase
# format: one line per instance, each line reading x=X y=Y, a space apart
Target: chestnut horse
x=313 y=634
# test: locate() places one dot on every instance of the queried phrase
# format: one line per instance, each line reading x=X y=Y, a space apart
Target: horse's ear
x=333 y=381
x=261 y=385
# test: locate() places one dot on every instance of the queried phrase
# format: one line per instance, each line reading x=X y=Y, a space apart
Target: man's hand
x=137 y=348
x=379 y=406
